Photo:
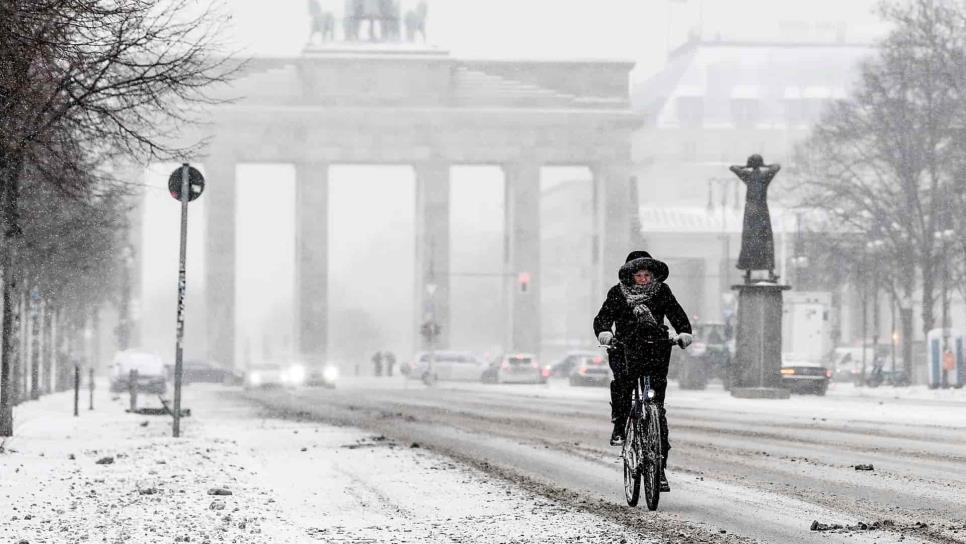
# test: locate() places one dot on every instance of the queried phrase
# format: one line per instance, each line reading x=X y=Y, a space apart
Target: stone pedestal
x=756 y=370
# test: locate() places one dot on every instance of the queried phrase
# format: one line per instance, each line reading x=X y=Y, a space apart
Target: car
x=709 y=356
x=265 y=375
x=447 y=365
x=324 y=376
x=846 y=362
x=591 y=370
x=563 y=367
x=515 y=368
x=197 y=371
x=151 y=376
x=805 y=377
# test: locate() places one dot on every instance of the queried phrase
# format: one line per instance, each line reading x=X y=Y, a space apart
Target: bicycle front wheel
x=631 y=455
x=652 y=458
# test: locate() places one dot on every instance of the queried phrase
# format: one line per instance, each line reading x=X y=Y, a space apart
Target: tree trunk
x=48 y=353
x=905 y=318
x=16 y=353
x=928 y=288
x=6 y=343
x=34 y=347
x=9 y=219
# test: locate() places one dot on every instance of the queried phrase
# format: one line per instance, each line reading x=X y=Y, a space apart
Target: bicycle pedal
x=665 y=487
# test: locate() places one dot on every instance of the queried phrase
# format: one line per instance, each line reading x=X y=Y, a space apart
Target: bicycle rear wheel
x=652 y=458
x=631 y=455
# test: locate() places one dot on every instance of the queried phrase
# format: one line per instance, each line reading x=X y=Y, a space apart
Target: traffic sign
x=196 y=183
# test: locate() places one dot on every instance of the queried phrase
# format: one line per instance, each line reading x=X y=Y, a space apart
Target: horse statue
x=323 y=22
x=416 y=22
x=385 y=13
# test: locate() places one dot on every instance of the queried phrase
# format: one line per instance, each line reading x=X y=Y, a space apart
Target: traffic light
x=523 y=280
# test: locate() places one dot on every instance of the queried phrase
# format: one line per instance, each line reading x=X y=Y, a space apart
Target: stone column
x=612 y=203
x=312 y=260
x=432 y=248
x=523 y=254
x=219 y=199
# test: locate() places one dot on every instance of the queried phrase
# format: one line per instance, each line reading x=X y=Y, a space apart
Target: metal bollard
x=76 y=390
x=90 y=385
x=132 y=388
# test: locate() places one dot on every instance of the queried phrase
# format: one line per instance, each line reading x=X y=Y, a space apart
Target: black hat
x=658 y=268
x=636 y=255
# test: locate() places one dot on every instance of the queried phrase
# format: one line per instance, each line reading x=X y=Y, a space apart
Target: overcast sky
x=640 y=30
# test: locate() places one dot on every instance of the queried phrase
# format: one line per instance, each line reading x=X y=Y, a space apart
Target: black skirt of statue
x=757 y=240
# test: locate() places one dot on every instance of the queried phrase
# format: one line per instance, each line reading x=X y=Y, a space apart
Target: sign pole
x=179 y=346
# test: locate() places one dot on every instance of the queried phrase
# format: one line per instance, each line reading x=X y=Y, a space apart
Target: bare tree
x=86 y=81
x=882 y=163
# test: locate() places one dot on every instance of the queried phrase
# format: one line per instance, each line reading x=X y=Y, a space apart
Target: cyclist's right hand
x=605 y=338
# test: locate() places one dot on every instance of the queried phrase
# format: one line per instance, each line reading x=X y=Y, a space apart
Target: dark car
x=324 y=376
x=566 y=365
x=196 y=371
x=591 y=370
x=805 y=377
x=709 y=356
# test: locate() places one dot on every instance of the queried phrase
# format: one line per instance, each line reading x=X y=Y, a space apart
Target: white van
x=151 y=376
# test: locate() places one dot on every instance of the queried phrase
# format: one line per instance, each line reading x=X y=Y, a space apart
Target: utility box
x=806 y=325
x=945 y=370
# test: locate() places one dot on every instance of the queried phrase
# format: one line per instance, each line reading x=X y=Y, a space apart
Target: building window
x=745 y=112
x=690 y=111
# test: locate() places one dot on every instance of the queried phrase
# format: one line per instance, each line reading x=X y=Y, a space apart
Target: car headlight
x=296 y=374
x=330 y=373
x=255 y=378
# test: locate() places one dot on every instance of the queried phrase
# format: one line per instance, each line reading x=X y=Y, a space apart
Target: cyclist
x=634 y=313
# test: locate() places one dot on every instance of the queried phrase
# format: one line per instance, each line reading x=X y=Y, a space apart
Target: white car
x=447 y=365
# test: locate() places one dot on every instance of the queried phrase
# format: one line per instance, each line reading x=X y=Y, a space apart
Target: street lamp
x=800 y=261
x=873 y=247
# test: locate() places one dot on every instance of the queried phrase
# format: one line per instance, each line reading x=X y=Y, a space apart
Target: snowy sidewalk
x=289 y=482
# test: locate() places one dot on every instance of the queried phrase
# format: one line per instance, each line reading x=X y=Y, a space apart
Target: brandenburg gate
x=402 y=104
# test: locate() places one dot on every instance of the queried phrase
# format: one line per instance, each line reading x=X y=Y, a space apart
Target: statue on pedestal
x=384 y=17
x=323 y=22
x=756 y=368
x=416 y=22
x=757 y=240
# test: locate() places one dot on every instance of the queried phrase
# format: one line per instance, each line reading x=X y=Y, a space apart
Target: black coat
x=757 y=239
x=615 y=310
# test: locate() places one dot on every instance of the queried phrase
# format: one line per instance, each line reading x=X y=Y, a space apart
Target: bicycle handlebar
x=671 y=340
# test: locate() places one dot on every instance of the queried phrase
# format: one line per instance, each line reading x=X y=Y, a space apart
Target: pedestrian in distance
x=377 y=364
x=631 y=321
x=390 y=360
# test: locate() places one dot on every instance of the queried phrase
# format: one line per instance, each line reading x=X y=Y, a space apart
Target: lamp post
x=722 y=207
x=876 y=248
x=800 y=260
x=943 y=237
x=872 y=249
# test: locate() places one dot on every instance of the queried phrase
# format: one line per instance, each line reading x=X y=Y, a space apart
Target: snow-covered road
x=758 y=469
x=290 y=481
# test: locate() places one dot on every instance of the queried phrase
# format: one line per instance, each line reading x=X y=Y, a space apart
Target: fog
x=371 y=244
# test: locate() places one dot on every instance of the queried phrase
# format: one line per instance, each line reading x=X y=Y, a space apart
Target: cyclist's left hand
x=684 y=340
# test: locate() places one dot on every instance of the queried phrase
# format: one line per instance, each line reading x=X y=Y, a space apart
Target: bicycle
x=642 y=453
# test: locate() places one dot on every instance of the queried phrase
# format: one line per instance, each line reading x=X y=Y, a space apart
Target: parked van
x=150 y=372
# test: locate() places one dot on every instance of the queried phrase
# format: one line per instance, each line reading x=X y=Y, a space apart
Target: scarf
x=637 y=297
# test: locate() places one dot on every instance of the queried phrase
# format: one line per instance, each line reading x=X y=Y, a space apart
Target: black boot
x=665 y=486
x=617 y=435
